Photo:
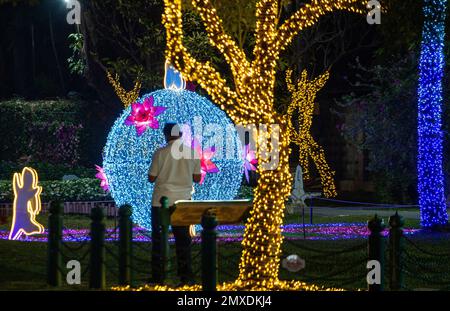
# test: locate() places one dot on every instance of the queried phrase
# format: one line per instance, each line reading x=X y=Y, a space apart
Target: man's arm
x=154 y=169
x=197 y=176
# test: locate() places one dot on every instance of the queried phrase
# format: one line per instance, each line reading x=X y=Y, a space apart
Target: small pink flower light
x=144 y=115
x=102 y=177
x=207 y=166
x=250 y=161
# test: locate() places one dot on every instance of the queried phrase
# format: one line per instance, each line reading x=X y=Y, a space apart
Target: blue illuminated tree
x=430 y=136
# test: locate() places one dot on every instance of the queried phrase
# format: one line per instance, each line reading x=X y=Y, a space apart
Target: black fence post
x=165 y=222
x=209 y=252
x=54 y=261
x=376 y=249
x=125 y=240
x=97 y=260
x=395 y=251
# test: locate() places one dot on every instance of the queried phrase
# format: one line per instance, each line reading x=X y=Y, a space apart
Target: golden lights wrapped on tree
x=303 y=100
x=127 y=98
x=251 y=101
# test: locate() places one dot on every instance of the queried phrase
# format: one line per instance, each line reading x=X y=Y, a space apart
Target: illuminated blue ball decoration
x=430 y=137
x=127 y=156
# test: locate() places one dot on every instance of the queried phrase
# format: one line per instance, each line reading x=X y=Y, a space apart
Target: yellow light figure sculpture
x=251 y=101
x=127 y=98
x=27 y=204
x=303 y=98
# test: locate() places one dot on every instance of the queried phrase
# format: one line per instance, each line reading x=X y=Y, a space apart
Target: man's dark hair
x=172 y=130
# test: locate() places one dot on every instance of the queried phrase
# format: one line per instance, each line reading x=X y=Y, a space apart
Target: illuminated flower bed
x=231 y=233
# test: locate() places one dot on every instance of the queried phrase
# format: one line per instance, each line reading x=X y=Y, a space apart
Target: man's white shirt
x=174 y=173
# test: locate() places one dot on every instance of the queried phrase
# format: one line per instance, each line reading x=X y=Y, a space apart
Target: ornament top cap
x=173 y=79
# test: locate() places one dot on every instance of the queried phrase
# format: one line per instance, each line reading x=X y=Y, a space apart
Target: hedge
x=83 y=189
x=46 y=171
x=45 y=131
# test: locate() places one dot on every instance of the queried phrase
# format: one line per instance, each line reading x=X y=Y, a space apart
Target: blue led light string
x=430 y=137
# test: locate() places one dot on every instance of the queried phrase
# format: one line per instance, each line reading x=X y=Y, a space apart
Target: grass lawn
x=22 y=266
x=297 y=218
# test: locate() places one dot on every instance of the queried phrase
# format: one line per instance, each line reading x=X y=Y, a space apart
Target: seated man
x=174 y=169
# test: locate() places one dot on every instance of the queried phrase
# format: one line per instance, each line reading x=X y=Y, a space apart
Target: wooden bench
x=187 y=212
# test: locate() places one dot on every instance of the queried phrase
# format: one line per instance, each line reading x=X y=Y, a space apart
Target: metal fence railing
x=115 y=255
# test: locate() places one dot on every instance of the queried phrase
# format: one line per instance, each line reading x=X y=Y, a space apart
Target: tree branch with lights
x=203 y=73
x=234 y=56
x=316 y=9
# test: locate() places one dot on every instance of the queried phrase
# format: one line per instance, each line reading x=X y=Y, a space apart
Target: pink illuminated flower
x=102 y=176
x=249 y=161
x=207 y=166
x=144 y=115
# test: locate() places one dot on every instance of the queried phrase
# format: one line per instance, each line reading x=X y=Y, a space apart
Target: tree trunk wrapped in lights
x=433 y=209
x=262 y=238
x=251 y=101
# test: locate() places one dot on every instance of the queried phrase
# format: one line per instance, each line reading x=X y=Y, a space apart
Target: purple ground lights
x=230 y=233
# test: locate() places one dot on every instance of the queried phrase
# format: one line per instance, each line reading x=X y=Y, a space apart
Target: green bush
x=46 y=171
x=46 y=131
x=84 y=189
